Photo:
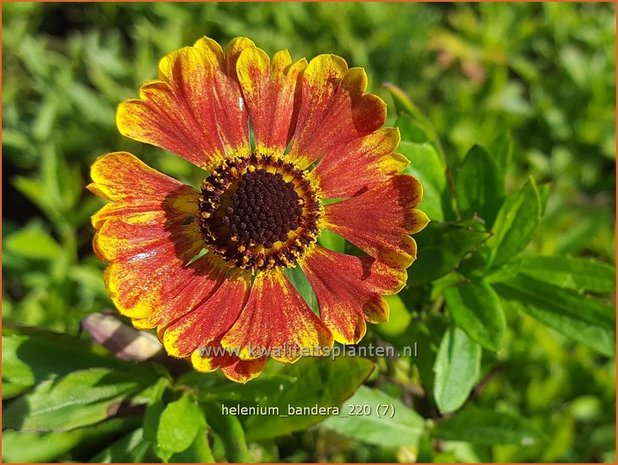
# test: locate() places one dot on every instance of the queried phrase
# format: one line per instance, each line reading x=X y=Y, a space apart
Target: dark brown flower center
x=264 y=210
x=259 y=212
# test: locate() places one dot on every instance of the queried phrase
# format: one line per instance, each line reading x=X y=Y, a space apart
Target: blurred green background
x=546 y=72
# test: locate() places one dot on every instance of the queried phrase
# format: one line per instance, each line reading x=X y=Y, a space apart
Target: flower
x=206 y=267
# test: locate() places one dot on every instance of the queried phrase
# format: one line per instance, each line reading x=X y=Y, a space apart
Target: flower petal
x=268 y=88
x=147 y=210
x=209 y=320
x=368 y=161
x=122 y=177
x=242 y=371
x=233 y=51
x=333 y=109
x=148 y=233
x=349 y=290
x=380 y=219
x=196 y=110
x=232 y=367
x=277 y=322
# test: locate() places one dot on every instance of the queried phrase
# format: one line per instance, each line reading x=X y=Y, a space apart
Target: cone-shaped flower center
x=259 y=212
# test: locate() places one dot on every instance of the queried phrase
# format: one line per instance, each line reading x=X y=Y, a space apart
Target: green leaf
x=332 y=241
x=319 y=382
x=441 y=247
x=487 y=427
x=427 y=333
x=479 y=186
x=34 y=190
x=428 y=168
x=78 y=399
x=581 y=318
x=502 y=151
x=18 y=446
x=129 y=449
x=580 y=274
x=230 y=430
x=457 y=369
x=30 y=356
x=154 y=409
x=399 y=317
x=33 y=242
x=37 y=447
x=405 y=106
x=516 y=221
x=301 y=284
x=476 y=308
x=198 y=452
x=411 y=130
x=179 y=424
x=374 y=417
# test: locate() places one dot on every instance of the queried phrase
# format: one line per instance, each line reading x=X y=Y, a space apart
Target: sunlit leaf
x=77 y=399
x=374 y=417
x=320 y=382
x=580 y=274
x=516 y=221
x=426 y=166
x=457 y=369
x=179 y=424
x=34 y=243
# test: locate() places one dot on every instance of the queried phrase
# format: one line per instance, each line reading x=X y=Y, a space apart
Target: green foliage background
x=513 y=316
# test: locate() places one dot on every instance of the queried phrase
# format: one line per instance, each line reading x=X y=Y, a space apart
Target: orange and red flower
x=289 y=150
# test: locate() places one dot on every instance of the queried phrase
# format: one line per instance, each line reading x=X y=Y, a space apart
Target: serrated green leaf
x=487 y=427
x=581 y=318
x=77 y=399
x=479 y=186
x=457 y=369
x=516 y=221
x=380 y=419
x=319 y=382
x=476 y=308
x=441 y=247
